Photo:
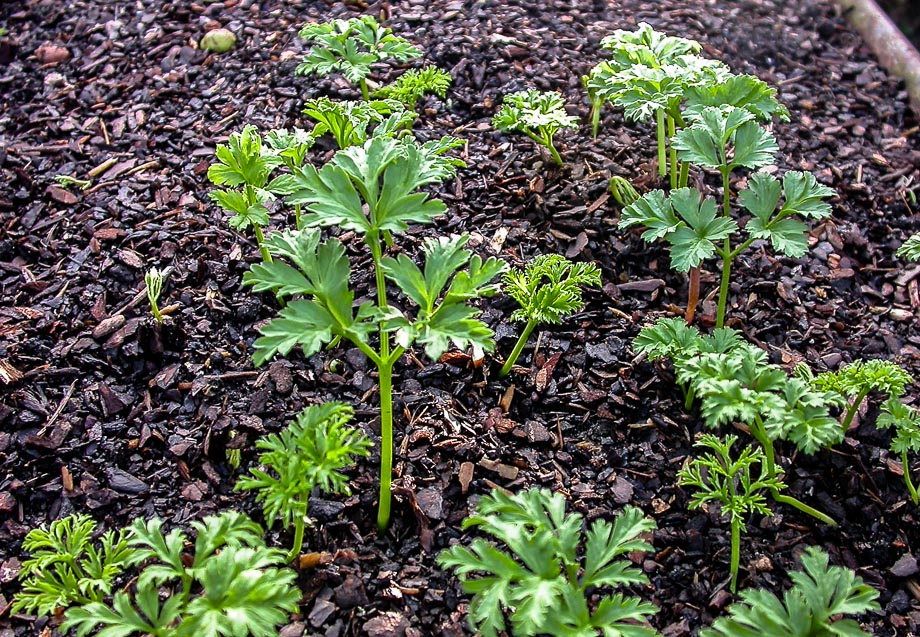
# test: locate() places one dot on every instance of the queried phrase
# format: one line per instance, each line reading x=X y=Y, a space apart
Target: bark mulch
x=100 y=412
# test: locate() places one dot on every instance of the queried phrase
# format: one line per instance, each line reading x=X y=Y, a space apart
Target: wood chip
x=466 y=475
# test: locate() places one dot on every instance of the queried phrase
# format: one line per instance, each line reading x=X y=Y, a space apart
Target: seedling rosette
x=351 y=47
x=548 y=289
x=811 y=608
x=308 y=454
x=541 y=575
x=539 y=115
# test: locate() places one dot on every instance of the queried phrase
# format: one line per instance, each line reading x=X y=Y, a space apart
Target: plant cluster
x=539 y=582
x=230 y=587
x=811 y=608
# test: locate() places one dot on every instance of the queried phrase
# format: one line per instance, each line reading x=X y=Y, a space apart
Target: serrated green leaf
x=653 y=211
x=804 y=195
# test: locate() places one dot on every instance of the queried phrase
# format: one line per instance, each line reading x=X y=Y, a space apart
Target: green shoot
x=539 y=115
x=720 y=478
x=291 y=147
x=623 y=191
x=351 y=47
x=66 y=566
x=548 y=290
x=414 y=84
x=854 y=382
x=539 y=580
x=726 y=139
x=910 y=249
x=372 y=190
x=65 y=181
x=244 y=166
x=811 y=608
x=349 y=121
x=306 y=455
x=906 y=423
x=229 y=588
x=153 y=282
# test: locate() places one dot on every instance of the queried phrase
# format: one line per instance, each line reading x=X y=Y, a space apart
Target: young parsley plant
x=544 y=572
x=539 y=115
x=548 y=289
x=308 y=454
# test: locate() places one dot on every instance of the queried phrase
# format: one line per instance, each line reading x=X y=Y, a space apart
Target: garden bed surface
x=104 y=414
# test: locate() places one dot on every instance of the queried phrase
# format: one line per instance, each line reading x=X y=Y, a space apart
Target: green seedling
x=245 y=166
x=69 y=567
x=623 y=191
x=349 y=121
x=153 y=282
x=308 y=454
x=372 y=191
x=414 y=84
x=291 y=148
x=65 y=181
x=910 y=249
x=811 y=608
x=735 y=382
x=539 y=115
x=853 y=382
x=230 y=587
x=548 y=290
x=536 y=577
x=351 y=47
x=727 y=139
x=717 y=477
x=655 y=76
x=906 y=423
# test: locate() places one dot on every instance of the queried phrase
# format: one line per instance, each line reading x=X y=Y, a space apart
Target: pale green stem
x=596 y=105
x=851 y=411
x=260 y=241
x=518 y=348
x=910 y=485
x=385 y=373
x=364 y=92
x=662 y=147
x=298 y=539
x=672 y=130
x=297 y=221
x=757 y=430
x=736 y=552
x=155 y=310
x=726 y=253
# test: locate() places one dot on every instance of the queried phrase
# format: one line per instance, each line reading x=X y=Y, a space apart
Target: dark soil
x=101 y=412
x=904 y=13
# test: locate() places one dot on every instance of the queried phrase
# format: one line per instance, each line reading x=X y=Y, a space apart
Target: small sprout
x=153 y=281
x=811 y=608
x=234 y=455
x=856 y=380
x=307 y=455
x=906 y=423
x=67 y=180
x=548 y=290
x=536 y=578
x=623 y=191
x=414 y=84
x=539 y=115
x=351 y=47
x=910 y=249
x=66 y=568
x=720 y=478
x=245 y=165
x=218 y=40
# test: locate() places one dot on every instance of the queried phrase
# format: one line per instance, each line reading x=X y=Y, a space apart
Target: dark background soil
x=101 y=413
x=906 y=15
